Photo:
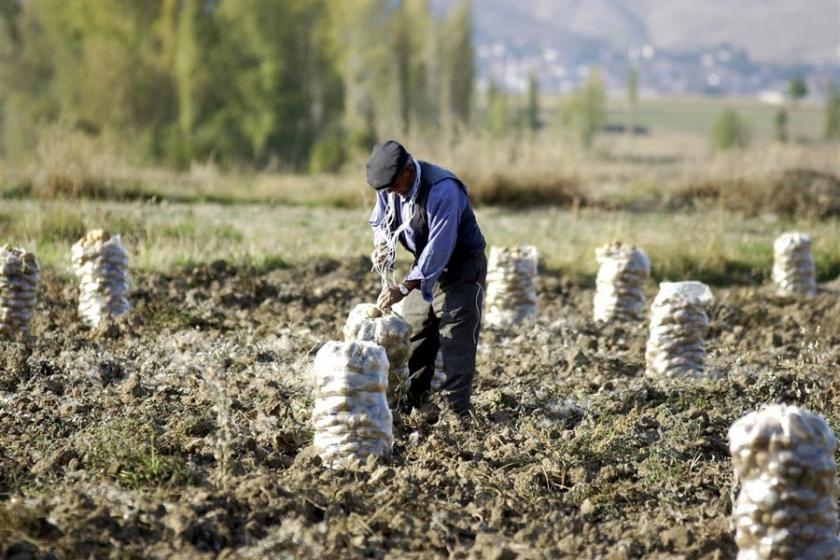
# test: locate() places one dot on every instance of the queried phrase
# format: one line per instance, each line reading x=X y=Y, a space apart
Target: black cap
x=385 y=162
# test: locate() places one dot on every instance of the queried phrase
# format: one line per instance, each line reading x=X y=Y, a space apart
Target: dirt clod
x=187 y=434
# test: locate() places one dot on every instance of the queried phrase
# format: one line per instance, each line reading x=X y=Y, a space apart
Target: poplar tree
x=532 y=111
x=832 y=113
x=586 y=109
x=632 y=98
x=458 y=66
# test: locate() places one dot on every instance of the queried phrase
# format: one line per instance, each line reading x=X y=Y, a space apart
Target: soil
x=182 y=430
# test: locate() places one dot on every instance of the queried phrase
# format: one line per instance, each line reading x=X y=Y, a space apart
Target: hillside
x=779 y=31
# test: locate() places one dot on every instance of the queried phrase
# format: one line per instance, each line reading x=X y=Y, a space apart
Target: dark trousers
x=451 y=325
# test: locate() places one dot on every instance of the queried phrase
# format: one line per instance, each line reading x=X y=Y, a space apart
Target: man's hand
x=389 y=297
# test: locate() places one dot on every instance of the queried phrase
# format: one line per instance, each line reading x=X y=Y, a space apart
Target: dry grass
x=518 y=170
x=713 y=245
x=798 y=192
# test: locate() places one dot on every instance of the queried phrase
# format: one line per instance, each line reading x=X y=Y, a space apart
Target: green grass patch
x=129 y=451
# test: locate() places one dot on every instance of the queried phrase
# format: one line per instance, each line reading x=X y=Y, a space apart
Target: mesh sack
x=622 y=272
x=678 y=324
x=793 y=267
x=366 y=322
x=351 y=417
x=100 y=262
x=787 y=504
x=19 y=271
x=511 y=297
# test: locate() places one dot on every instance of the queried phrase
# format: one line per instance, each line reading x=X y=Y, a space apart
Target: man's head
x=390 y=168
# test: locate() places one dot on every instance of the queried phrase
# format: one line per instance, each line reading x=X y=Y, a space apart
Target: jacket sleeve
x=445 y=206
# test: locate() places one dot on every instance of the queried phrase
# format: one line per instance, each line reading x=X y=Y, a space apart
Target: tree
x=92 y=66
x=780 y=125
x=413 y=55
x=730 y=131
x=457 y=73
x=797 y=89
x=532 y=110
x=586 y=110
x=832 y=113
x=272 y=90
x=498 y=113
x=186 y=62
x=299 y=83
x=355 y=31
x=632 y=98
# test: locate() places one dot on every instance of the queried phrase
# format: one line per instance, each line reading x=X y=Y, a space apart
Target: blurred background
x=592 y=102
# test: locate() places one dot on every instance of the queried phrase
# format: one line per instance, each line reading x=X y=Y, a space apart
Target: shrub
x=730 y=131
x=328 y=155
x=524 y=190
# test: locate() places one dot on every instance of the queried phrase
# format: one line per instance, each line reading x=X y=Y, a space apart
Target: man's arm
x=445 y=206
x=378 y=213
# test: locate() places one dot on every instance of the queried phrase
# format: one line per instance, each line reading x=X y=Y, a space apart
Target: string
x=385 y=240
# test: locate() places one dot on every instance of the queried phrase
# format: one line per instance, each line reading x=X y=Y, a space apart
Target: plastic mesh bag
x=100 y=262
x=19 y=271
x=351 y=416
x=793 y=267
x=367 y=322
x=511 y=297
x=678 y=324
x=622 y=272
x=787 y=505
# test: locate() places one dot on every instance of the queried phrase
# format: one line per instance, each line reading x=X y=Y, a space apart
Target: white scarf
x=385 y=241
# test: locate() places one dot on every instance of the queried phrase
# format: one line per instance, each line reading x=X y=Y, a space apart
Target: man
x=426 y=208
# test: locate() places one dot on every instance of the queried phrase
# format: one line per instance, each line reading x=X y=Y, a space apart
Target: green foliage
x=797 y=88
x=498 y=112
x=780 y=125
x=259 y=82
x=328 y=155
x=532 y=111
x=731 y=131
x=832 y=113
x=130 y=452
x=413 y=59
x=586 y=110
x=61 y=224
x=457 y=72
x=355 y=34
x=632 y=98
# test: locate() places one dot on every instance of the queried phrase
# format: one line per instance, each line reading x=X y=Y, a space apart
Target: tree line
x=292 y=83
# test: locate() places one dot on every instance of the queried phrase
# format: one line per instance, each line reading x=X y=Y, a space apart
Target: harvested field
x=181 y=430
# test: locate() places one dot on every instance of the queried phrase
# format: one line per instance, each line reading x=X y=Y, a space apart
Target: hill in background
x=767 y=39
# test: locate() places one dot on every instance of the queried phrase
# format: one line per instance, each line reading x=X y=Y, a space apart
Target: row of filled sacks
x=99 y=261
x=623 y=270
